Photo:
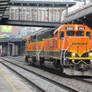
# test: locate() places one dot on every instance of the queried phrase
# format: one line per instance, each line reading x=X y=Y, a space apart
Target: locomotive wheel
x=26 y=59
x=33 y=61
x=41 y=62
x=82 y=67
x=58 y=66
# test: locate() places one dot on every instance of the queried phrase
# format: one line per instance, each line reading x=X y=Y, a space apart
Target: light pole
x=84 y=2
x=67 y=9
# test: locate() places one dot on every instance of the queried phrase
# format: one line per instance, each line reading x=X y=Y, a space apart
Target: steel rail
x=80 y=78
x=52 y=81
x=42 y=90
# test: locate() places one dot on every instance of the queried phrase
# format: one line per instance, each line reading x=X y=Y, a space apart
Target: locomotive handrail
x=37 y=53
x=62 y=52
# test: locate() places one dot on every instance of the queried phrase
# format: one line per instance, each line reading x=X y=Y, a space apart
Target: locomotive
x=69 y=45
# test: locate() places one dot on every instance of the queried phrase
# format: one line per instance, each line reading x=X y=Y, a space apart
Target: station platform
x=10 y=82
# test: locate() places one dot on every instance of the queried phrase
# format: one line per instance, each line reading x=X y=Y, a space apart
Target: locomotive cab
x=76 y=45
x=69 y=45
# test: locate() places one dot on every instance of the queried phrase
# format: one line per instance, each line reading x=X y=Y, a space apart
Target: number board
x=69 y=28
x=81 y=28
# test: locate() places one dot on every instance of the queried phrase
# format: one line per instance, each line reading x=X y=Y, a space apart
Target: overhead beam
x=32 y=23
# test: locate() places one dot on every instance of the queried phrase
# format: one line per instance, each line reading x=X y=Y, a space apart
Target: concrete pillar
x=4 y=50
x=0 y=50
x=13 y=49
x=8 y=49
x=16 y=49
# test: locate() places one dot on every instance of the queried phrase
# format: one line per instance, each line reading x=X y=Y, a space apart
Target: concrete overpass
x=43 y=14
x=81 y=15
x=35 y=13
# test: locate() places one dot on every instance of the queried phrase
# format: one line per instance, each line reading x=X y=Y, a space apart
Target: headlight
x=91 y=60
x=73 y=54
x=90 y=54
x=73 y=60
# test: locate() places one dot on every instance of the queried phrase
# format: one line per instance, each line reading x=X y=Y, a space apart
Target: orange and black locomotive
x=67 y=45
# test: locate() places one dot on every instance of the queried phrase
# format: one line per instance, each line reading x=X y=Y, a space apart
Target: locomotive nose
x=78 y=45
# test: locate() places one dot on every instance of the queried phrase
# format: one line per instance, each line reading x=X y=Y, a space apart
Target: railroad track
x=80 y=78
x=47 y=85
x=80 y=84
x=29 y=81
x=89 y=81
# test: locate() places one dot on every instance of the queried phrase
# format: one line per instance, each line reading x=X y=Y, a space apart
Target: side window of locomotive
x=51 y=34
x=79 y=33
x=61 y=35
x=28 y=41
x=34 y=38
x=88 y=34
x=40 y=37
x=70 y=33
x=46 y=35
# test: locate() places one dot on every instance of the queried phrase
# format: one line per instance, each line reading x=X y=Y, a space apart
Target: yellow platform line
x=4 y=75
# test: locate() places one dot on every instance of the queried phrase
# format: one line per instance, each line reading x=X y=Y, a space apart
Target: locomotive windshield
x=79 y=33
x=88 y=34
x=70 y=33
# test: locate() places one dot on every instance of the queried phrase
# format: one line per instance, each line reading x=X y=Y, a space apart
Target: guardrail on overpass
x=82 y=13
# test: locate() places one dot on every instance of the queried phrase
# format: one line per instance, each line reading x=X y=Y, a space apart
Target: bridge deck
x=35 y=13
